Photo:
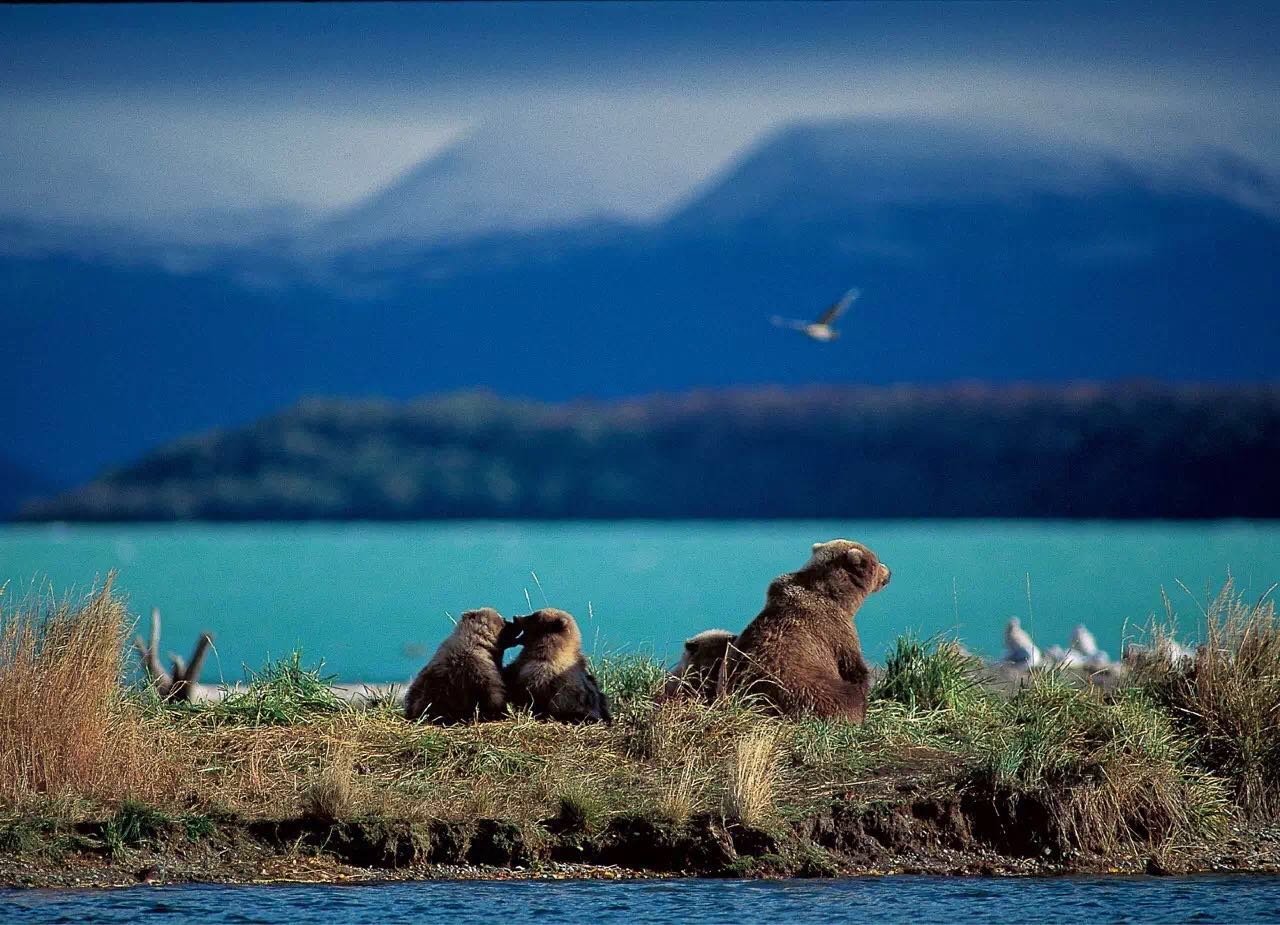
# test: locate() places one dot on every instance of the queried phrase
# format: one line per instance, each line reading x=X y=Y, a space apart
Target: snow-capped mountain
x=982 y=254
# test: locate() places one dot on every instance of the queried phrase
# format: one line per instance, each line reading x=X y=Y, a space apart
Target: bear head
x=548 y=624
x=487 y=625
x=859 y=564
x=707 y=646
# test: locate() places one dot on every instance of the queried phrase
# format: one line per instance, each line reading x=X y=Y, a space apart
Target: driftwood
x=181 y=681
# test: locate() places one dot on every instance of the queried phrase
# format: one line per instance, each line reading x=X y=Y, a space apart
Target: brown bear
x=550 y=674
x=463 y=680
x=700 y=672
x=801 y=655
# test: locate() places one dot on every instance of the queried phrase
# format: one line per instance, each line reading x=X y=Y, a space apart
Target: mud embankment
x=954 y=835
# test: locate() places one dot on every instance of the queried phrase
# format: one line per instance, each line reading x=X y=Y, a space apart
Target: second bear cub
x=550 y=674
x=700 y=673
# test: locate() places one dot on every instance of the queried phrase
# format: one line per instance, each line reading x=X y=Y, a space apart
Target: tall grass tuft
x=750 y=795
x=677 y=800
x=283 y=693
x=65 y=729
x=629 y=680
x=930 y=674
x=135 y=825
x=1109 y=775
x=331 y=794
x=1227 y=699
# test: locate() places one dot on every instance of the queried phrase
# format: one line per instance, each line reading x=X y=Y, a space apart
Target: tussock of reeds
x=1227 y=698
x=65 y=728
x=929 y=675
x=753 y=778
x=331 y=793
x=1110 y=774
x=678 y=799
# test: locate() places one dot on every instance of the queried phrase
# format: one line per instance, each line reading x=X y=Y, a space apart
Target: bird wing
x=838 y=308
x=789 y=323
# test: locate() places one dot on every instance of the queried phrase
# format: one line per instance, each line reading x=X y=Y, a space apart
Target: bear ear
x=855 y=555
x=817 y=546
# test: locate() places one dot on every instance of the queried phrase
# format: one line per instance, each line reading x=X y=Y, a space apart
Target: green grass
x=198 y=827
x=629 y=680
x=22 y=835
x=933 y=674
x=580 y=809
x=282 y=693
x=135 y=825
x=1110 y=773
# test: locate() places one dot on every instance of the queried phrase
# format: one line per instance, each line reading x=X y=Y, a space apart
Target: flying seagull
x=824 y=328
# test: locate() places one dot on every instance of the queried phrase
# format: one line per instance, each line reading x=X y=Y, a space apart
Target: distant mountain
x=980 y=256
x=872 y=168
x=488 y=182
x=960 y=451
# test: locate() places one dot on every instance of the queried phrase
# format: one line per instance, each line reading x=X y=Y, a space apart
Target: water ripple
x=886 y=900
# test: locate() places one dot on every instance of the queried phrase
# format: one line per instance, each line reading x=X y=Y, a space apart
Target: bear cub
x=550 y=674
x=463 y=681
x=700 y=673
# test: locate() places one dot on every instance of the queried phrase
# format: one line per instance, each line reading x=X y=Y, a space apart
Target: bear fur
x=463 y=680
x=700 y=673
x=801 y=654
x=550 y=674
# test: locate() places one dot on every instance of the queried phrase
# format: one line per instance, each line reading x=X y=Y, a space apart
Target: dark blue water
x=879 y=901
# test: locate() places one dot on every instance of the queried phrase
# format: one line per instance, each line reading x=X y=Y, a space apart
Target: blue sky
x=147 y=113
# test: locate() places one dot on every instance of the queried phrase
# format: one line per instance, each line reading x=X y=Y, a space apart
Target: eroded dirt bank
x=949 y=835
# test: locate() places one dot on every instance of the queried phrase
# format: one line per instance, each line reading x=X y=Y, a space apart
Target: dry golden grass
x=670 y=759
x=1111 y=771
x=1112 y=774
x=753 y=778
x=1227 y=699
x=65 y=730
x=331 y=794
x=679 y=797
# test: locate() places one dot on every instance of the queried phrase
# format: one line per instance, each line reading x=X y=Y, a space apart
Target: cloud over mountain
x=981 y=256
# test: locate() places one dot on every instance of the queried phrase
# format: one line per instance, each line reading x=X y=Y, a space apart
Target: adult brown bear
x=801 y=655
x=550 y=674
x=463 y=680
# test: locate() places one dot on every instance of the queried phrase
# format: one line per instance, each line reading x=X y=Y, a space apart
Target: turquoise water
x=374 y=599
x=882 y=901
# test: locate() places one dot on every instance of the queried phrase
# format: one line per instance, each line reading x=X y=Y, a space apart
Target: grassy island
x=1175 y=769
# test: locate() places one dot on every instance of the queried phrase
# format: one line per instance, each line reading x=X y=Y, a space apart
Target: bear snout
x=885 y=575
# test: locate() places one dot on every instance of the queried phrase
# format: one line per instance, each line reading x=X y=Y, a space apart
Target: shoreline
x=921 y=837
x=1171 y=767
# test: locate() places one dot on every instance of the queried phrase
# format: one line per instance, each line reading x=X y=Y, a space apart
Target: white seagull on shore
x=1083 y=642
x=1018 y=647
x=1083 y=652
x=823 y=329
